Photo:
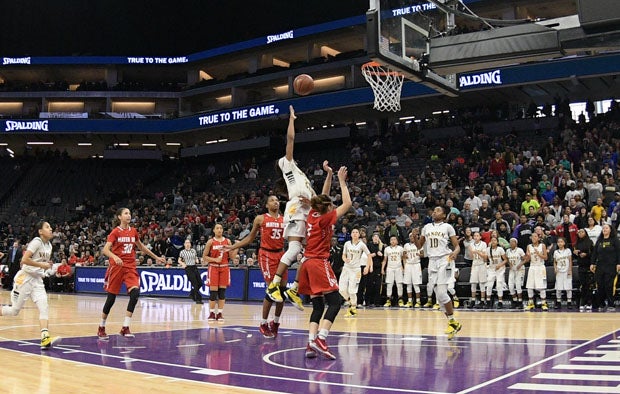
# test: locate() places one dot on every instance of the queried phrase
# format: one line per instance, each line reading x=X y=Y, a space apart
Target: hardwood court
x=177 y=350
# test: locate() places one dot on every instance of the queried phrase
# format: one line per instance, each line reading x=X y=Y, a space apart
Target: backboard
x=398 y=37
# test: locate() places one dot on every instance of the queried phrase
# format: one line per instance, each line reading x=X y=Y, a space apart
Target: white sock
x=126 y=321
x=44 y=333
x=323 y=333
x=102 y=322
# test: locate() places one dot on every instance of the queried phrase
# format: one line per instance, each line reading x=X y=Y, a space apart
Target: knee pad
x=109 y=301
x=441 y=291
x=133 y=299
x=333 y=302
x=221 y=293
x=294 y=247
x=212 y=295
x=318 y=306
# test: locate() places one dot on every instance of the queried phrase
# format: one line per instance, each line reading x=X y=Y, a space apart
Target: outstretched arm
x=290 y=134
x=327 y=185
x=258 y=221
x=344 y=191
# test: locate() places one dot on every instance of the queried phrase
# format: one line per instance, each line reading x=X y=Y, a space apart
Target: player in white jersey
x=536 y=254
x=299 y=190
x=438 y=236
x=28 y=281
x=496 y=271
x=563 y=265
x=478 y=277
x=516 y=261
x=413 y=270
x=352 y=254
x=392 y=268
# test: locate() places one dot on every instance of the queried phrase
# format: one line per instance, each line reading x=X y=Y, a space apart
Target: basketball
x=303 y=84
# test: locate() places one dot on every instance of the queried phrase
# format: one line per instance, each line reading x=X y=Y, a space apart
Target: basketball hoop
x=386 y=85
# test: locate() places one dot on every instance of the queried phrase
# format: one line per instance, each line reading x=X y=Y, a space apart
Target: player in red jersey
x=120 y=249
x=271 y=227
x=216 y=258
x=316 y=276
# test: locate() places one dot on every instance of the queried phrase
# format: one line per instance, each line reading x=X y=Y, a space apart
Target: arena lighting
x=65 y=106
x=149 y=144
x=224 y=99
x=407 y=117
x=325 y=50
x=211 y=142
x=223 y=140
x=360 y=124
x=281 y=63
x=328 y=82
x=39 y=143
x=121 y=144
x=173 y=143
x=4 y=144
x=85 y=144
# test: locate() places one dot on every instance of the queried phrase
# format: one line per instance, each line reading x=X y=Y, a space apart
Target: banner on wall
x=165 y=282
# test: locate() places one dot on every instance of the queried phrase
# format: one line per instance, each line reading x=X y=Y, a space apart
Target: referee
x=188 y=260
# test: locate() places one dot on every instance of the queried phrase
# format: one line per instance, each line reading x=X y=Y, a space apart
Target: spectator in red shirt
x=64 y=277
x=497 y=166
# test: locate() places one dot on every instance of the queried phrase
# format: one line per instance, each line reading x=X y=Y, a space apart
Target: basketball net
x=386 y=84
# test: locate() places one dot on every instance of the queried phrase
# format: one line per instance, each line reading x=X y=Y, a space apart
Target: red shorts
x=116 y=275
x=218 y=276
x=268 y=263
x=316 y=277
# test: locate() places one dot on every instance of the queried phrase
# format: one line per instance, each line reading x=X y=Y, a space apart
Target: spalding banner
x=166 y=282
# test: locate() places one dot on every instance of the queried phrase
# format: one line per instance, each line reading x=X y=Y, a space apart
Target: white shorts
x=563 y=281
x=350 y=279
x=295 y=229
x=393 y=275
x=515 y=281
x=413 y=274
x=27 y=286
x=295 y=211
x=478 y=274
x=496 y=276
x=440 y=271
x=537 y=277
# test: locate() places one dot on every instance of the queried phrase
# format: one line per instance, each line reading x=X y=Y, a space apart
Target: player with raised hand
x=271 y=227
x=299 y=189
x=316 y=277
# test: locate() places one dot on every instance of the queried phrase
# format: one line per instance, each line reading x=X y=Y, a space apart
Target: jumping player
x=271 y=227
x=351 y=271
x=295 y=213
x=216 y=257
x=439 y=234
x=28 y=282
x=316 y=276
x=120 y=249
